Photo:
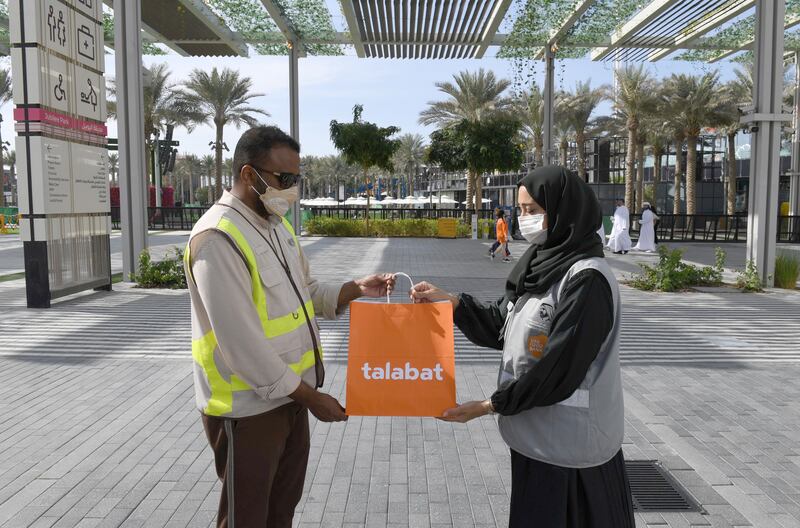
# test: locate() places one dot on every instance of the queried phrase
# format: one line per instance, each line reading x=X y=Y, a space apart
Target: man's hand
x=378 y=285
x=321 y=405
x=425 y=292
x=467 y=411
x=327 y=409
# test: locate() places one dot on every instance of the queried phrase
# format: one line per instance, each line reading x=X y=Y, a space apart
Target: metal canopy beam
x=284 y=25
x=199 y=9
x=354 y=27
x=762 y=210
x=697 y=28
x=555 y=35
x=499 y=12
x=644 y=17
x=792 y=22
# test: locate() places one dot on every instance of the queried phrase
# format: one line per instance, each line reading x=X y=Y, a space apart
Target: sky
x=392 y=91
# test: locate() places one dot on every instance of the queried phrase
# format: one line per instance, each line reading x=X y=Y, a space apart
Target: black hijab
x=573 y=219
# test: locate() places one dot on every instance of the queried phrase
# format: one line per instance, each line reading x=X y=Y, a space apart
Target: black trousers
x=548 y=496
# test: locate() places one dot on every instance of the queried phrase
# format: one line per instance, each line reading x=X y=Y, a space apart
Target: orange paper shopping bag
x=401 y=360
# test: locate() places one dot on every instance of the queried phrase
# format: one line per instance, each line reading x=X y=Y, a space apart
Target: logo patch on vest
x=536 y=344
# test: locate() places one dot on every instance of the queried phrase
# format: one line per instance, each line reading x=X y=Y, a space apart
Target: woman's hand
x=425 y=292
x=468 y=411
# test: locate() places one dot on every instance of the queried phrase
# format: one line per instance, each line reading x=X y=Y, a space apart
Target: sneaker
x=506 y=259
x=491 y=256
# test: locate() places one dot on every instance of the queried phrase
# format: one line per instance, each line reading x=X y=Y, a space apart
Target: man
x=620 y=241
x=255 y=340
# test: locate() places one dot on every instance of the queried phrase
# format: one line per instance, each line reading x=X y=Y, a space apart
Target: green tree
x=577 y=109
x=634 y=99
x=365 y=144
x=473 y=97
x=695 y=103
x=409 y=158
x=478 y=147
x=221 y=98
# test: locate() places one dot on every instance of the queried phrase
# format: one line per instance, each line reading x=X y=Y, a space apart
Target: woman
x=559 y=392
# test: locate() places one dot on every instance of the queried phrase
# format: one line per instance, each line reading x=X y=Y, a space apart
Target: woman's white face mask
x=531 y=228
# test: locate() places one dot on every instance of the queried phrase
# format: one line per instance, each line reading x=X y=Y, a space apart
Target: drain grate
x=654 y=489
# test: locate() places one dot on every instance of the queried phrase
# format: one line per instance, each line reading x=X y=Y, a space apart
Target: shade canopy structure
x=631 y=30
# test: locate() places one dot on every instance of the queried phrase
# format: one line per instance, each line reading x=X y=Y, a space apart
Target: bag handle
x=410 y=280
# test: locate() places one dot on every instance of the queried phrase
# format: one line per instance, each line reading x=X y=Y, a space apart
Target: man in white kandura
x=620 y=241
x=647 y=231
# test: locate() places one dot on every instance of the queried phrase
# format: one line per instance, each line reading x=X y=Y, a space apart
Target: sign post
x=59 y=92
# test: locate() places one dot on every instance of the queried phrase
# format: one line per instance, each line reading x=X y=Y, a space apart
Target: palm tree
x=474 y=97
x=162 y=106
x=113 y=166
x=736 y=92
x=222 y=98
x=658 y=136
x=5 y=96
x=695 y=104
x=562 y=134
x=409 y=157
x=577 y=109
x=5 y=86
x=531 y=108
x=207 y=165
x=633 y=100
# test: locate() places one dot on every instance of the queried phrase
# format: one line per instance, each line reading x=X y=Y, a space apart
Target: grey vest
x=586 y=429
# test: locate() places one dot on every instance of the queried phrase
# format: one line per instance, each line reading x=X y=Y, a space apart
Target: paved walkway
x=101 y=430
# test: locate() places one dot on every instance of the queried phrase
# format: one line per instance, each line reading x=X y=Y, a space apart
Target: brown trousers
x=251 y=455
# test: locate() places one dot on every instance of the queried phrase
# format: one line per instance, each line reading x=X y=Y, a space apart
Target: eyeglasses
x=286 y=179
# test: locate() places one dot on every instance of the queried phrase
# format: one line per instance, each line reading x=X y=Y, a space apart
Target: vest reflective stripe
x=305 y=363
x=221 y=400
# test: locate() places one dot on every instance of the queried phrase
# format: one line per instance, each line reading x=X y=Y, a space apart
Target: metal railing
x=353 y=213
x=714 y=228
x=670 y=228
x=166 y=218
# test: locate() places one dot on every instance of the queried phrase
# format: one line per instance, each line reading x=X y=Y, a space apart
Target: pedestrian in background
x=501 y=236
x=620 y=241
x=647 y=232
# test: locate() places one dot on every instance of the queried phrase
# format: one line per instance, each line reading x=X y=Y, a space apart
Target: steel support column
x=794 y=179
x=130 y=124
x=294 y=116
x=549 y=94
x=766 y=141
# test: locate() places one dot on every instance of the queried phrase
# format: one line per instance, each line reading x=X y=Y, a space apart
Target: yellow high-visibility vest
x=203 y=349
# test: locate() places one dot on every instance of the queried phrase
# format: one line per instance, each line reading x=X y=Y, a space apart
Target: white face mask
x=277 y=201
x=531 y=228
